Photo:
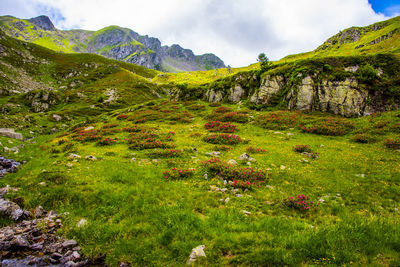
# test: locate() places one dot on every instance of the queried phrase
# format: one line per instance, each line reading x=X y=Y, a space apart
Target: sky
x=234 y=30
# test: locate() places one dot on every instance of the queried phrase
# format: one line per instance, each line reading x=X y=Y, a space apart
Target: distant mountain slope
x=381 y=37
x=41 y=79
x=113 y=42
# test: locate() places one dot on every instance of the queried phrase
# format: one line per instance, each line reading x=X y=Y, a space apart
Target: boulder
x=9 y=132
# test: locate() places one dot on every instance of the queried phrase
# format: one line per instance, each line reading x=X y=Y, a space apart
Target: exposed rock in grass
x=196 y=253
x=9 y=132
x=8 y=166
x=35 y=240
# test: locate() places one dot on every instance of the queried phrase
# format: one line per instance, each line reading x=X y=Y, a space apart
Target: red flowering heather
x=217 y=126
x=392 y=143
x=301 y=203
x=225 y=139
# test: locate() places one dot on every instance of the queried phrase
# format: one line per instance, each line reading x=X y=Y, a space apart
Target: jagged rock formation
x=43 y=22
x=113 y=42
x=340 y=88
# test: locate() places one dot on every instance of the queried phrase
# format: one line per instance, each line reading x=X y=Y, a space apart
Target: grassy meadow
x=154 y=192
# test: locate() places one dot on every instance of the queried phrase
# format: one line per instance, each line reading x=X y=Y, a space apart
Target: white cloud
x=236 y=31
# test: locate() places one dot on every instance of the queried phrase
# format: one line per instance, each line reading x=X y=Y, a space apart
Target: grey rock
x=10 y=209
x=196 y=253
x=9 y=132
x=39 y=212
x=69 y=243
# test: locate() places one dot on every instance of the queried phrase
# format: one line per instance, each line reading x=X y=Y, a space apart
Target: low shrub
x=217 y=126
x=107 y=126
x=255 y=150
x=225 y=171
x=363 y=138
x=238 y=117
x=177 y=174
x=222 y=148
x=328 y=126
x=301 y=202
x=392 y=143
x=302 y=148
x=214 y=104
x=224 y=139
x=165 y=153
x=122 y=117
x=278 y=120
x=245 y=184
x=106 y=141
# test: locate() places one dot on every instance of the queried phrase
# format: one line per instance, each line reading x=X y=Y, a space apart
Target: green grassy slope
x=381 y=37
x=138 y=216
x=78 y=84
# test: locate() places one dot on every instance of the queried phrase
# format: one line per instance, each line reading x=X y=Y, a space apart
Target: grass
x=135 y=215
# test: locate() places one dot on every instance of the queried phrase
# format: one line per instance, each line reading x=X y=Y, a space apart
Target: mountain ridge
x=114 y=42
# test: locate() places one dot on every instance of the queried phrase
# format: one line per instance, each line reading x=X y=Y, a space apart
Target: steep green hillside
x=381 y=37
x=113 y=42
x=36 y=79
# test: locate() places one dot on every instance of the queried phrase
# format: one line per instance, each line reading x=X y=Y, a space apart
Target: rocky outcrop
x=9 y=132
x=270 y=86
x=316 y=92
x=43 y=100
x=43 y=22
x=347 y=98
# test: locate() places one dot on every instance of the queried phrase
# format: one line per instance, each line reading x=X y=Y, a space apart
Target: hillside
x=381 y=37
x=107 y=163
x=113 y=42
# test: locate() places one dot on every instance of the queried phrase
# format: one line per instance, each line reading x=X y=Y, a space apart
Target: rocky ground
x=32 y=240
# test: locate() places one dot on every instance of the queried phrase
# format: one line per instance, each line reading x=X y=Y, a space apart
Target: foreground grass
x=135 y=215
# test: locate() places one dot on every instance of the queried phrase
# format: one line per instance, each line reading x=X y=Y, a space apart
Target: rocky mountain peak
x=43 y=22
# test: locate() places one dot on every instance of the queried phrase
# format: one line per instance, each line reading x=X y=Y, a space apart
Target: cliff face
x=340 y=88
x=112 y=42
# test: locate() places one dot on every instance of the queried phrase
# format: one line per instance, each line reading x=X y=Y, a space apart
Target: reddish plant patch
x=225 y=139
x=229 y=172
x=301 y=203
x=218 y=126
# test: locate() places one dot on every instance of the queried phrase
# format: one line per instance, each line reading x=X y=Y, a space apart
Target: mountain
x=34 y=78
x=112 y=42
x=381 y=37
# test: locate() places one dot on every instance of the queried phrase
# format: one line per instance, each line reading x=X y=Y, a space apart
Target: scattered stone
x=70 y=165
x=239 y=195
x=133 y=159
x=361 y=175
x=278 y=133
x=82 y=222
x=270 y=187
x=39 y=212
x=196 y=253
x=282 y=167
x=69 y=243
x=245 y=212
x=246 y=157
x=9 y=132
x=232 y=162
x=74 y=156
x=42 y=184
x=89 y=128
x=8 y=166
x=227 y=200
x=56 y=117
x=10 y=209
x=90 y=157
x=214 y=153
x=195 y=150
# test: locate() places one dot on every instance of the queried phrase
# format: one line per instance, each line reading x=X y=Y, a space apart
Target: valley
x=296 y=165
